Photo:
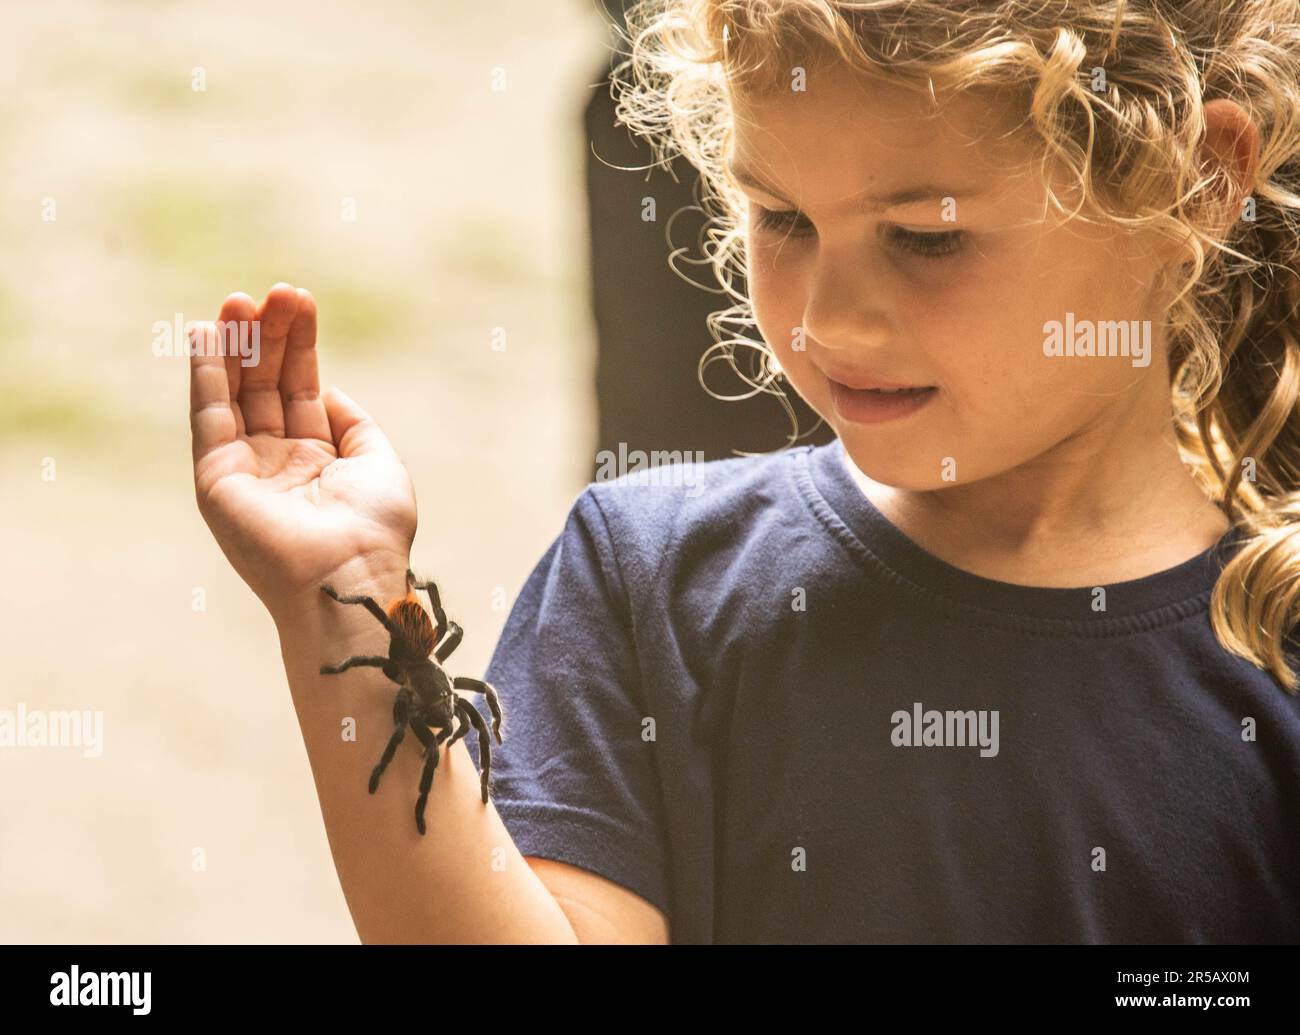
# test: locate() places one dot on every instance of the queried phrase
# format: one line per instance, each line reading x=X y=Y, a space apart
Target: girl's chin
x=913 y=470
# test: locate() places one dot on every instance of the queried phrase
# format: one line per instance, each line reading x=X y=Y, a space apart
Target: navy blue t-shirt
x=753 y=701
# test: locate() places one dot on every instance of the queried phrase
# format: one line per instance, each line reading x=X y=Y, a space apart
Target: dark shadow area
x=650 y=322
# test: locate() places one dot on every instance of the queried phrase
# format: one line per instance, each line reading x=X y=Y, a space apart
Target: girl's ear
x=1232 y=141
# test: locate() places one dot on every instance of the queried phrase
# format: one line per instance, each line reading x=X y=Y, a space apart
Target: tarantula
x=426 y=698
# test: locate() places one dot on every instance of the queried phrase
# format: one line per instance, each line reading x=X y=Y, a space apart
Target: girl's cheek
x=773 y=304
x=778 y=312
x=776 y=277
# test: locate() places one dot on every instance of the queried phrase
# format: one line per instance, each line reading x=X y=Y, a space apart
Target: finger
x=355 y=433
x=304 y=410
x=238 y=310
x=212 y=420
x=259 y=388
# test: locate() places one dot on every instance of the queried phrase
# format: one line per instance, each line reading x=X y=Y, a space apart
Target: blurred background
x=427 y=170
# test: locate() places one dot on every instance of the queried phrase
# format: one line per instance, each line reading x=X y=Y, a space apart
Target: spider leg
x=450 y=632
x=430 y=764
x=450 y=642
x=371 y=660
x=435 y=601
x=488 y=691
x=401 y=711
x=468 y=711
x=462 y=724
x=431 y=743
x=369 y=604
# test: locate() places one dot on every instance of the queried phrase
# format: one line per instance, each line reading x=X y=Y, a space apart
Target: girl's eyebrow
x=923 y=192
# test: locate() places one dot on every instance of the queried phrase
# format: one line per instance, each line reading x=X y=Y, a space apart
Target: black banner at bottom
x=163 y=984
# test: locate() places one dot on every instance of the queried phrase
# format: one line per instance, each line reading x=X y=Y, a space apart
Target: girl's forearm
x=464 y=881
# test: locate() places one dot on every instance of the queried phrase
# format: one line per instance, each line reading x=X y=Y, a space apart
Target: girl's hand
x=293 y=484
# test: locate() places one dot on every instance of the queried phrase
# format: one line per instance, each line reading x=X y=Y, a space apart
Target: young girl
x=1009 y=661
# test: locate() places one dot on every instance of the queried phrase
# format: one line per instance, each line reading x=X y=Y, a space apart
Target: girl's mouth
x=876 y=405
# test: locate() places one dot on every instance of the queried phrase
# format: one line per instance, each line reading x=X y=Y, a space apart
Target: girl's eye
x=780 y=220
x=927 y=245
x=932 y=246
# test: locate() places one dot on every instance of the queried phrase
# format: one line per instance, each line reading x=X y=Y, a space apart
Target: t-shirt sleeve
x=573 y=779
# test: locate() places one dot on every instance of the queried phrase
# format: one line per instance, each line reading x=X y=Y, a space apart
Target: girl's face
x=891 y=245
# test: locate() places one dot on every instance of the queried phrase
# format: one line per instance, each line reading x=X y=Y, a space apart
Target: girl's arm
x=302 y=488
x=464 y=881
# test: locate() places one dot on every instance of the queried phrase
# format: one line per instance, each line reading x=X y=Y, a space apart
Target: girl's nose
x=845 y=309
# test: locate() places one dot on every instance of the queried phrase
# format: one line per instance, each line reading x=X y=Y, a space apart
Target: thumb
x=354 y=431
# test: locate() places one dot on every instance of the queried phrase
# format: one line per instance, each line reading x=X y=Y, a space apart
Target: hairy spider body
x=426 y=698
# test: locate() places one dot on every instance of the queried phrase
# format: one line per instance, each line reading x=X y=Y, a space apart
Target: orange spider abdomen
x=414 y=621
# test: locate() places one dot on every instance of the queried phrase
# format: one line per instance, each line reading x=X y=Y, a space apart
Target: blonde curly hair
x=1130 y=147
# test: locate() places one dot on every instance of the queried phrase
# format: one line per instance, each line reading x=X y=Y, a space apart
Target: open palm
x=292 y=483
